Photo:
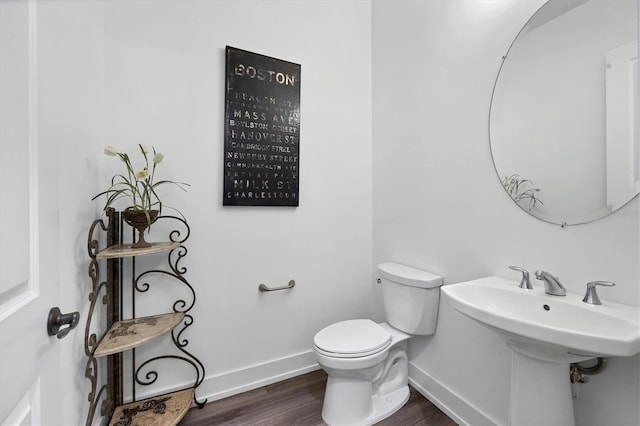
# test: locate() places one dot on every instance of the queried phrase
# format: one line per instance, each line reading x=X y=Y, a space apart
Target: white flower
x=136 y=184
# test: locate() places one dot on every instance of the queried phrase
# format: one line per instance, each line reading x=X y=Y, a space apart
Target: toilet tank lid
x=407 y=275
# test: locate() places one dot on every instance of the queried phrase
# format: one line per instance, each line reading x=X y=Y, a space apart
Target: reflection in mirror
x=564 y=112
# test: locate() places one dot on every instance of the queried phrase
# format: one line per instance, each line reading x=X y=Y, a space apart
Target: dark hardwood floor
x=298 y=401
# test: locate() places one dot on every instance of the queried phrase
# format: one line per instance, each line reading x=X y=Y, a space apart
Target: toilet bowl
x=366 y=362
x=364 y=385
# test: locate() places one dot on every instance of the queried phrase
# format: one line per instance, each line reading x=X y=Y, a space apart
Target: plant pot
x=138 y=220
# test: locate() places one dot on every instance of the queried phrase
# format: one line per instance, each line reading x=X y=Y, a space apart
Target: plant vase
x=139 y=220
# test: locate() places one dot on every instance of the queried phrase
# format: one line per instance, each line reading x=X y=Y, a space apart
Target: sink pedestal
x=540 y=392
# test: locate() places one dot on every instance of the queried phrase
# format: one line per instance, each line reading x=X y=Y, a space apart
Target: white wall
x=438 y=204
x=129 y=72
x=165 y=86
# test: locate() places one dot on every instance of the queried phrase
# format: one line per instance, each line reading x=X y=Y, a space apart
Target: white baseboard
x=459 y=410
x=233 y=382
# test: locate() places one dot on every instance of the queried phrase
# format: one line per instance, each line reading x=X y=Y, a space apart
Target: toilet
x=366 y=362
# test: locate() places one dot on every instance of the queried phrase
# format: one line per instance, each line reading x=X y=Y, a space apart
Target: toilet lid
x=352 y=338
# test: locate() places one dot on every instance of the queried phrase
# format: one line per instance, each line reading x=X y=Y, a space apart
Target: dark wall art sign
x=262 y=130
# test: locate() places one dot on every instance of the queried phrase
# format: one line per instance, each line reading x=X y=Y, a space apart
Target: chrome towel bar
x=263 y=287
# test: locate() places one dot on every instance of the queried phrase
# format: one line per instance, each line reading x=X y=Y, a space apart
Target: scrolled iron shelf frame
x=110 y=394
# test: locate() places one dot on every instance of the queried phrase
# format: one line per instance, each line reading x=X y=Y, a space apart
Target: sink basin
x=546 y=334
x=561 y=327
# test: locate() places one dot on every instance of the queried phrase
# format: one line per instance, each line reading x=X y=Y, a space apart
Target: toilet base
x=384 y=406
x=378 y=407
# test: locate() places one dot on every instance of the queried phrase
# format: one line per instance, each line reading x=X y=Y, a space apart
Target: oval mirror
x=564 y=111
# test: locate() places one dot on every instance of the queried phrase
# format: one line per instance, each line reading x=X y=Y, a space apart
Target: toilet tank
x=411 y=297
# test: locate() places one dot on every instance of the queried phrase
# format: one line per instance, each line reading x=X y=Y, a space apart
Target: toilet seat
x=352 y=339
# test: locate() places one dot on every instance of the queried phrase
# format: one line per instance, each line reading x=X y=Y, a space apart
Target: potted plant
x=139 y=188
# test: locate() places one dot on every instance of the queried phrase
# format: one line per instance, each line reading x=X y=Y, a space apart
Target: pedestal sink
x=546 y=333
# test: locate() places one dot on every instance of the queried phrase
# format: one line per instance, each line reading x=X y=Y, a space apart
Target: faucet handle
x=591 y=296
x=524 y=282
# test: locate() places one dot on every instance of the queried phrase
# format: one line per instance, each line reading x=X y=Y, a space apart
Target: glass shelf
x=131 y=333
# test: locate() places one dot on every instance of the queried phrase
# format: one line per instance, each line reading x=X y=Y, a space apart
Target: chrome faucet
x=551 y=284
x=524 y=281
x=591 y=297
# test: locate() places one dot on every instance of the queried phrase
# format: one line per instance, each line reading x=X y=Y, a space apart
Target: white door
x=29 y=357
